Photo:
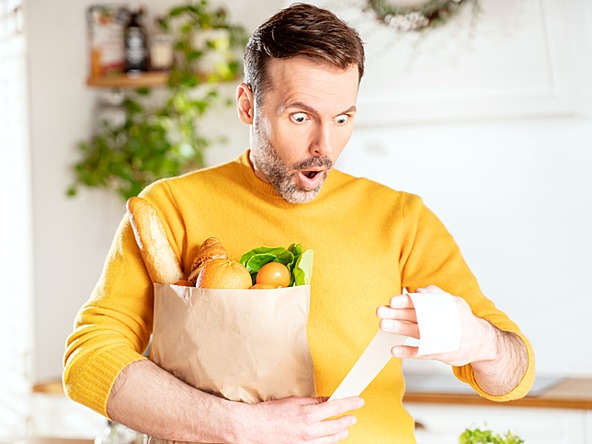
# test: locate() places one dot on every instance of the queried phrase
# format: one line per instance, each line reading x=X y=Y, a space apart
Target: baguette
x=160 y=259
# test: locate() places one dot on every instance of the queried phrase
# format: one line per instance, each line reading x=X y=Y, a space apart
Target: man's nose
x=321 y=144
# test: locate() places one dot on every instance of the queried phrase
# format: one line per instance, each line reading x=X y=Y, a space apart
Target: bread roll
x=160 y=259
x=208 y=251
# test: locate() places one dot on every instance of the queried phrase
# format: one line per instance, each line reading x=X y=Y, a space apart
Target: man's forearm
x=148 y=399
x=507 y=366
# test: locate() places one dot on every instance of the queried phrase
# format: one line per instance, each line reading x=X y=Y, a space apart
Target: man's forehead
x=307 y=65
x=300 y=81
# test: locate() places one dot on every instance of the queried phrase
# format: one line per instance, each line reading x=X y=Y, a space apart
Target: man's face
x=302 y=126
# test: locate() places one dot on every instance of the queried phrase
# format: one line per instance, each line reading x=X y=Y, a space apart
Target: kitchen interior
x=487 y=116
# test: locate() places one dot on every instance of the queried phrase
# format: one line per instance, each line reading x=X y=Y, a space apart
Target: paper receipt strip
x=374 y=358
x=440 y=331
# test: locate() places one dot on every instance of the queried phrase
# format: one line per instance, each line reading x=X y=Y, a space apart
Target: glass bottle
x=136 y=45
x=161 y=49
x=119 y=434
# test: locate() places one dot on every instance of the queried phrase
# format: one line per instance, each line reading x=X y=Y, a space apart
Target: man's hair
x=301 y=30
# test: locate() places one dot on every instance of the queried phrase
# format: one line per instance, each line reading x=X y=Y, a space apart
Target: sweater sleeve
x=430 y=256
x=113 y=328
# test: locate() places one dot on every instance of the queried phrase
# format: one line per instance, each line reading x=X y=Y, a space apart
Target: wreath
x=430 y=14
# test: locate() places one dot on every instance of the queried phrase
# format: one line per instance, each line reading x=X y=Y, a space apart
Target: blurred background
x=487 y=117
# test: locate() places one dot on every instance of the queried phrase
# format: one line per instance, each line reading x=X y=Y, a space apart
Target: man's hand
x=499 y=359
x=477 y=340
x=297 y=420
x=152 y=401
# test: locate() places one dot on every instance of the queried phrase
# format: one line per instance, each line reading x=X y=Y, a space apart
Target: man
x=302 y=72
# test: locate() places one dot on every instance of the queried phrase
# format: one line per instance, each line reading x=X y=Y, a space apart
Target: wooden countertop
x=569 y=393
x=566 y=393
x=58 y=441
x=40 y=440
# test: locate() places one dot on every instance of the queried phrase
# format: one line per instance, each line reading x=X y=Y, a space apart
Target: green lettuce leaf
x=302 y=271
x=298 y=262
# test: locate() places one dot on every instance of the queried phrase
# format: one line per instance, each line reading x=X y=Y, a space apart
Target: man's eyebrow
x=351 y=109
x=311 y=110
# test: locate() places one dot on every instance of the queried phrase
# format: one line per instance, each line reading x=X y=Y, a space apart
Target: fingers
x=406 y=315
x=335 y=407
x=327 y=420
x=299 y=419
x=405 y=352
x=331 y=430
x=399 y=317
x=401 y=301
x=409 y=329
x=404 y=301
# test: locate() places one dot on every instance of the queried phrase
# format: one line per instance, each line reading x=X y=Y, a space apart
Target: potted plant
x=160 y=136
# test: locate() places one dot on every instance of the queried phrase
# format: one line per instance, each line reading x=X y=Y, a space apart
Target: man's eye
x=298 y=117
x=342 y=120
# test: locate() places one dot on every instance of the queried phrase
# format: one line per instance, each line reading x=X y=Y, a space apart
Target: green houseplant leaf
x=161 y=137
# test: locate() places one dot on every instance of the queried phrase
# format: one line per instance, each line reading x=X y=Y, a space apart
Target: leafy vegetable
x=303 y=269
x=478 y=436
x=298 y=262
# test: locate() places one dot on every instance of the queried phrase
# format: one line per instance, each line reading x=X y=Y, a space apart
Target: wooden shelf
x=143 y=80
x=60 y=440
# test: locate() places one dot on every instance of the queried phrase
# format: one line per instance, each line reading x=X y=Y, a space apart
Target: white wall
x=515 y=192
x=72 y=236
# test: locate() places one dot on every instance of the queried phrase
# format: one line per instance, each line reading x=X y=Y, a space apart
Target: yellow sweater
x=369 y=242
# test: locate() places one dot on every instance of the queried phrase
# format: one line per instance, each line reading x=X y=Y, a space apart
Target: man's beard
x=284 y=180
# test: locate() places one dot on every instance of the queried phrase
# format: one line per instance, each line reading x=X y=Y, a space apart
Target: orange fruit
x=274 y=274
x=262 y=287
x=224 y=273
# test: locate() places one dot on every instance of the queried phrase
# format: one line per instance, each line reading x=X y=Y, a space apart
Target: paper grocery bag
x=244 y=345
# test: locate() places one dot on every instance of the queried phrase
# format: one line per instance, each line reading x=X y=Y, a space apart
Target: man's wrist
x=489 y=345
x=237 y=417
x=503 y=364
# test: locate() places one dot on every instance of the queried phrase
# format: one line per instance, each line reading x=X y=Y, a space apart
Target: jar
x=161 y=49
x=116 y=433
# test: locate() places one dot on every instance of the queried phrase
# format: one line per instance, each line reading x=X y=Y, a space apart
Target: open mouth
x=310 y=174
x=311 y=179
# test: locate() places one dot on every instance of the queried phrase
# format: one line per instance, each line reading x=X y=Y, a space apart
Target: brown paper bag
x=244 y=345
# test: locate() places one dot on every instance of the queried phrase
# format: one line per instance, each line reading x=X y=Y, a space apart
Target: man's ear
x=245 y=103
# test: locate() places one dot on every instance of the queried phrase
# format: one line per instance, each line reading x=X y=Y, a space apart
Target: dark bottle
x=136 y=45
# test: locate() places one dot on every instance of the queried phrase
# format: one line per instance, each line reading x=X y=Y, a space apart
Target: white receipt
x=439 y=329
x=438 y=322
x=374 y=358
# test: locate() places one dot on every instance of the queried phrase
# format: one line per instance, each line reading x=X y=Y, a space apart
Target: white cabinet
x=444 y=423
x=57 y=416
